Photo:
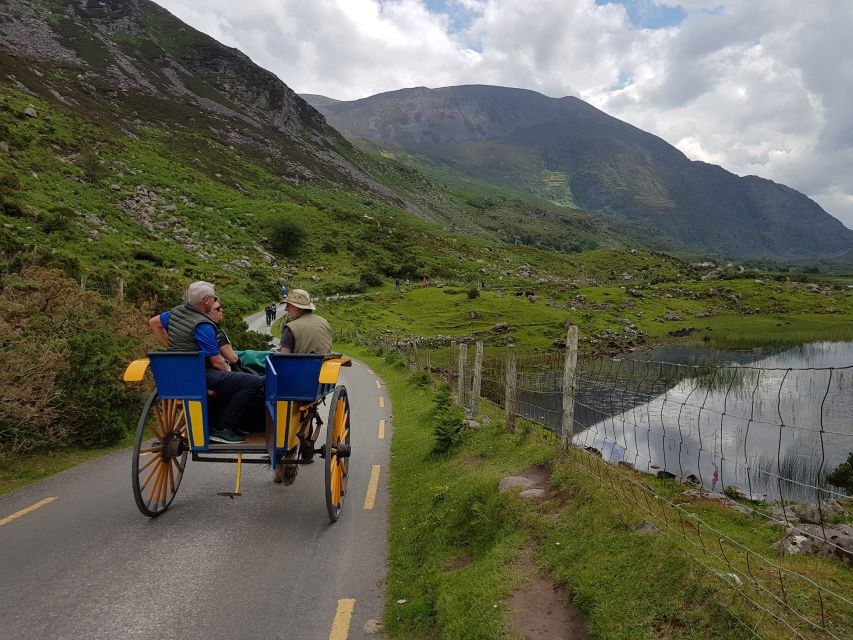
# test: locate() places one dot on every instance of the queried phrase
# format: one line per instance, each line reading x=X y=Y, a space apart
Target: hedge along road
x=268 y=564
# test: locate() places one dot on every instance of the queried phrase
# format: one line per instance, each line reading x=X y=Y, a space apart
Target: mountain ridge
x=520 y=138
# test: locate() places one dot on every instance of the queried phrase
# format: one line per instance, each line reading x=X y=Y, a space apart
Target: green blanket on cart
x=253 y=359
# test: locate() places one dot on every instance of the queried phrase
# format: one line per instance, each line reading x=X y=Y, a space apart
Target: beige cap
x=300 y=299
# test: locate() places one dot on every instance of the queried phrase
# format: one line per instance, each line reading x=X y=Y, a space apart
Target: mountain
x=569 y=152
x=131 y=64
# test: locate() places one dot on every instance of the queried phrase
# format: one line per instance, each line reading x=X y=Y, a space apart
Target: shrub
x=448 y=429
x=95 y=401
x=842 y=477
x=91 y=165
x=60 y=367
x=421 y=379
x=370 y=278
x=286 y=236
x=443 y=399
x=473 y=293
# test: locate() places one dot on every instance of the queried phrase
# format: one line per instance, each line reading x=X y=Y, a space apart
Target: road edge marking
x=381 y=402
x=372 y=486
x=381 y=429
x=343 y=618
x=24 y=512
x=378 y=385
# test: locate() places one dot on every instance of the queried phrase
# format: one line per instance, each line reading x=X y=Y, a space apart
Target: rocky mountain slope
x=131 y=64
x=567 y=151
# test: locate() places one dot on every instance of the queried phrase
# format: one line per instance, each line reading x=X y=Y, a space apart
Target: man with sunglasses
x=189 y=327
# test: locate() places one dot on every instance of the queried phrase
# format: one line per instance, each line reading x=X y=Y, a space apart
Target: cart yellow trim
x=287 y=424
x=136 y=370
x=331 y=369
x=192 y=408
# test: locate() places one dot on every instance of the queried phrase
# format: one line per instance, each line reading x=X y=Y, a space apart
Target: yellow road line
x=343 y=617
x=372 y=486
x=381 y=429
x=378 y=386
x=24 y=512
x=369 y=371
x=381 y=402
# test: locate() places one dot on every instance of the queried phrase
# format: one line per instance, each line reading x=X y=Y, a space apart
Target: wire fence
x=760 y=440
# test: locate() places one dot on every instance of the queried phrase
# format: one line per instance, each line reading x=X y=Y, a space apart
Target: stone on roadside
x=532 y=494
x=373 y=626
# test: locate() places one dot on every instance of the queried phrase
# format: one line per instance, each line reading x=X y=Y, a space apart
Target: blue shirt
x=205 y=336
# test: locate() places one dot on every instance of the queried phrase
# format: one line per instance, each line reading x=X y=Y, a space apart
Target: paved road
x=88 y=565
x=258 y=321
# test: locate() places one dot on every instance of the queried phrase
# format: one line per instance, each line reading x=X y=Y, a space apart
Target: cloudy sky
x=760 y=87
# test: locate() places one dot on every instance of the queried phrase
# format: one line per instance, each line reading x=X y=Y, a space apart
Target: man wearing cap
x=189 y=327
x=305 y=331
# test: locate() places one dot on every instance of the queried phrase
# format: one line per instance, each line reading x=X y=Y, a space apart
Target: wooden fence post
x=510 y=385
x=83 y=282
x=450 y=361
x=478 y=379
x=460 y=383
x=568 y=419
x=121 y=289
x=428 y=364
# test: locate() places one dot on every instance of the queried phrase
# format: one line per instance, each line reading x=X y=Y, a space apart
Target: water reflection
x=774 y=424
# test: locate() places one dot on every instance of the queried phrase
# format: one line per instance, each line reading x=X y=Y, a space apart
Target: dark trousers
x=244 y=393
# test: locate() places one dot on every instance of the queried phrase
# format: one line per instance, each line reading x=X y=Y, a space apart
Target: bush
x=473 y=293
x=371 y=278
x=60 y=367
x=91 y=165
x=842 y=477
x=448 y=429
x=286 y=236
x=95 y=401
x=421 y=379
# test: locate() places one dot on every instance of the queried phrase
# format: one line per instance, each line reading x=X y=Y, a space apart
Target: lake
x=771 y=422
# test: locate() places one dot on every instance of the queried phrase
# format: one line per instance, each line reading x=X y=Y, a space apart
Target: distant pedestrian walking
x=270 y=312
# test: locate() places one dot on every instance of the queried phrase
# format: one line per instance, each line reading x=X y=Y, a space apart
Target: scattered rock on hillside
x=815 y=514
x=719 y=497
x=809 y=539
x=31 y=112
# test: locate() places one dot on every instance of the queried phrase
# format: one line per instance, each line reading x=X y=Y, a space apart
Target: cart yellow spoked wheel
x=159 y=454
x=337 y=452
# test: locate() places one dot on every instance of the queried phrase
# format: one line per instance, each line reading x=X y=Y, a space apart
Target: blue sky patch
x=647 y=14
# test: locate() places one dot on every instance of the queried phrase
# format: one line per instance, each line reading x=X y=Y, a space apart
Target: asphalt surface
x=267 y=564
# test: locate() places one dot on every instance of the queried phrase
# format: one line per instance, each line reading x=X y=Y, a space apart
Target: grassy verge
x=455 y=543
x=18 y=471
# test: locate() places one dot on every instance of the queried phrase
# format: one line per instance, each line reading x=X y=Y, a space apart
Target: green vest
x=183 y=320
x=312 y=334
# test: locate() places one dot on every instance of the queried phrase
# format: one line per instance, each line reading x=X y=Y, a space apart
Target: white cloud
x=757 y=86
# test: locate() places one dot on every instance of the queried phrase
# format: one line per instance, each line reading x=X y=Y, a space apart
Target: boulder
x=816 y=513
x=532 y=494
x=31 y=112
x=809 y=538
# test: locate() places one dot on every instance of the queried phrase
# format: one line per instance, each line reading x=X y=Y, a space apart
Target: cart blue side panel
x=291 y=381
x=180 y=375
